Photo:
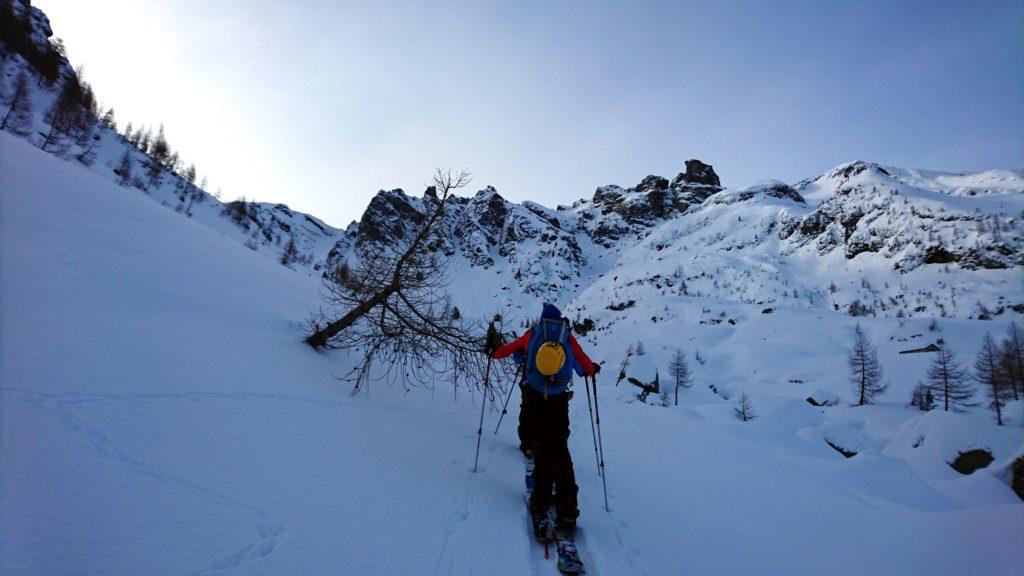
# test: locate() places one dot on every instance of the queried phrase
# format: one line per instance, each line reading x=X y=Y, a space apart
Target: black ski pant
x=525 y=437
x=548 y=420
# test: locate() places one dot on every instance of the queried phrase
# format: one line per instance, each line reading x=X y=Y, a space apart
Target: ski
x=545 y=532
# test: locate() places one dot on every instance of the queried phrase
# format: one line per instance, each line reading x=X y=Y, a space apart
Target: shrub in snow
x=922 y=398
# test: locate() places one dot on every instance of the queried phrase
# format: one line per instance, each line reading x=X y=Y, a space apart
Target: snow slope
x=159 y=414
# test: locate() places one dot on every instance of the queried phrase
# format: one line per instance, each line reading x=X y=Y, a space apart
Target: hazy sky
x=319 y=104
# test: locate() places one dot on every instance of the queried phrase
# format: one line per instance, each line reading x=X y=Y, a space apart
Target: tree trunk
x=319 y=338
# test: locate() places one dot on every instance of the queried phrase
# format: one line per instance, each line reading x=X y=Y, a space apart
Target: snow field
x=159 y=414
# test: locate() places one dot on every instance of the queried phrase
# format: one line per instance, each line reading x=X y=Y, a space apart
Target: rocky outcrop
x=697 y=173
x=653 y=200
x=390 y=216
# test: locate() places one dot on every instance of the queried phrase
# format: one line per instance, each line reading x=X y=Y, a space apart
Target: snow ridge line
x=58 y=405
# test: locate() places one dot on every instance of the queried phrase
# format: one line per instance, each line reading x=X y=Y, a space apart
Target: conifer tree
x=108 y=119
x=987 y=374
x=680 y=372
x=131 y=136
x=290 y=252
x=19 y=115
x=159 y=150
x=744 y=409
x=948 y=381
x=1012 y=354
x=865 y=371
x=143 y=139
x=124 y=169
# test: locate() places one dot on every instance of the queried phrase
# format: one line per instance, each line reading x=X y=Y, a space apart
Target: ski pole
x=483 y=404
x=600 y=444
x=597 y=458
x=504 y=408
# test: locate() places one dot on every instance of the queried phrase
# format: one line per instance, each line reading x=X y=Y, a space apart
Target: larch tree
x=160 y=150
x=124 y=169
x=393 y=311
x=744 y=409
x=19 y=115
x=988 y=375
x=1012 y=358
x=680 y=372
x=865 y=371
x=948 y=381
x=109 y=119
x=290 y=253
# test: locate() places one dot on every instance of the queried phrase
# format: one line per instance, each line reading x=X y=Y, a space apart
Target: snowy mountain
x=861 y=239
x=159 y=412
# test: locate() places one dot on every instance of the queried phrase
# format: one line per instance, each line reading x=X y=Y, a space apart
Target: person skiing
x=551 y=354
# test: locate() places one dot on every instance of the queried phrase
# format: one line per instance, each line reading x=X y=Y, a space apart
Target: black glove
x=492 y=341
x=597 y=367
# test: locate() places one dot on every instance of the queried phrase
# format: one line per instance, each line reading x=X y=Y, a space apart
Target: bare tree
x=393 y=311
x=624 y=365
x=987 y=373
x=744 y=409
x=865 y=371
x=680 y=371
x=948 y=381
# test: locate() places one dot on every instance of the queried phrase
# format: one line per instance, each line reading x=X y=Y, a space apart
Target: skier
x=551 y=354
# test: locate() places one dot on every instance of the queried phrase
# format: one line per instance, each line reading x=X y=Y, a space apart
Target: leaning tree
x=392 y=311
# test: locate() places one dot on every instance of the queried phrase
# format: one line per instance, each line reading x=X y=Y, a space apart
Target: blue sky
x=319 y=104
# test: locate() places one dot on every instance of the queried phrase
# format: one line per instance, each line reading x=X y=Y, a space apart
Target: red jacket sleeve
x=581 y=357
x=521 y=343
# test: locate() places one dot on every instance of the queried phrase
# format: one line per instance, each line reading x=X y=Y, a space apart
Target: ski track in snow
x=268 y=531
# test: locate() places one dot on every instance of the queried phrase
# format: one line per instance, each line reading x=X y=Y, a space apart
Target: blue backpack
x=550 y=335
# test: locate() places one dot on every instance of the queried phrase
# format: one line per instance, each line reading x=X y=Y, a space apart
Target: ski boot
x=568 y=557
x=542 y=527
